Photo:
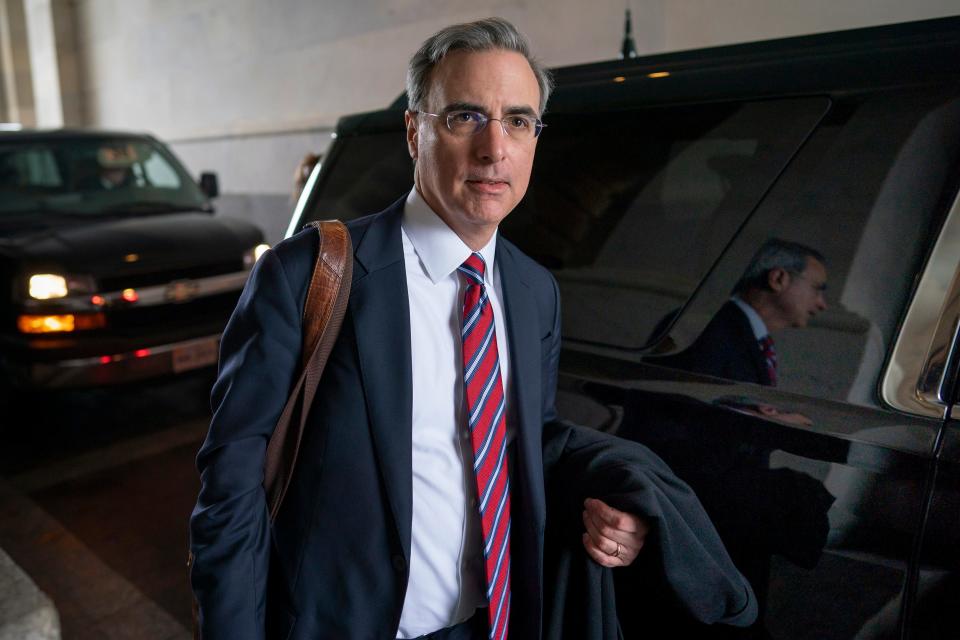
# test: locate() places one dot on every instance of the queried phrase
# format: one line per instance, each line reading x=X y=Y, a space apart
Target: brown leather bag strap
x=322 y=317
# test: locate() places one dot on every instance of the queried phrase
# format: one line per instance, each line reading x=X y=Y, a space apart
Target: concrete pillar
x=68 y=63
x=44 y=70
x=16 y=83
x=51 y=40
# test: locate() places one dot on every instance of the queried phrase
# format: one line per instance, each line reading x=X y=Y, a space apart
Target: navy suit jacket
x=727 y=348
x=335 y=562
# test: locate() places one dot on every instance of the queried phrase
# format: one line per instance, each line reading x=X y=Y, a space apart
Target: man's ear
x=410 y=119
x=778 y=279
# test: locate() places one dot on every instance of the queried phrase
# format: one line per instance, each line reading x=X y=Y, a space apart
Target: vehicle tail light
x=64 y=323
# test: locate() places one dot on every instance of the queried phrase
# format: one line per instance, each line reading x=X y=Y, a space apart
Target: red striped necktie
x=486 y=409
x=770 y=357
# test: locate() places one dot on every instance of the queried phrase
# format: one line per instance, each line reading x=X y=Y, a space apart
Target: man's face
x=802 y=296
x=473 y=182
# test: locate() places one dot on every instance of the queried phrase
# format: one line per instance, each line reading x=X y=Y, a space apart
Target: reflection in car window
x=871 y=205
x=631 y=209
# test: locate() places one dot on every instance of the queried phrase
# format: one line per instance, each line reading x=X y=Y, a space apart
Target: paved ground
x=95 y=494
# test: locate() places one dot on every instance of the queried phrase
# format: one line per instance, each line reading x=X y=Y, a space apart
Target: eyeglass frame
x=538 y=124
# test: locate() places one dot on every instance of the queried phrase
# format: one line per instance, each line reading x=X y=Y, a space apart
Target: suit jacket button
x=399 y=563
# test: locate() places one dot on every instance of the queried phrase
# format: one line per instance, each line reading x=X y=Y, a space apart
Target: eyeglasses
x=464 y=124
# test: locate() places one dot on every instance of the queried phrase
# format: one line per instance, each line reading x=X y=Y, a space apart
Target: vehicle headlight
x=44 y=286
x=250 y=257
x=48 y=286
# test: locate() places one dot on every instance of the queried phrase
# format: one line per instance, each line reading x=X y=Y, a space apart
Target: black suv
x=837 y=491
x=112 y=266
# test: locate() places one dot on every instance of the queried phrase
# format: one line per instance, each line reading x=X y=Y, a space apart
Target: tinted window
x=90 y=176
x=871 y=204
x=366 y=174
x=630 y=209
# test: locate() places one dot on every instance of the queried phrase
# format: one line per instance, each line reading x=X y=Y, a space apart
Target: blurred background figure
x=114 y=162
x=302 y=174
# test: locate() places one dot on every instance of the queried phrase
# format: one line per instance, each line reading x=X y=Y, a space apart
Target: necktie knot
x=766 y=343
x=473 y=268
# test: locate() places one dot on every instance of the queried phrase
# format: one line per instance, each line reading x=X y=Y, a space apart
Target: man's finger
x=618 y=527
x=601 y=541
x=612 y=518
x=597 y=554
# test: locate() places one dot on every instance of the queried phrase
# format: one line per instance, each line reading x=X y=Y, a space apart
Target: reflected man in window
x=782 y=287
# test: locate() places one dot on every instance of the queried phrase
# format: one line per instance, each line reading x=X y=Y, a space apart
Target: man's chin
x=489 y=211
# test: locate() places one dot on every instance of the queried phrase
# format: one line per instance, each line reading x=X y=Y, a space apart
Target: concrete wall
x=15 y=77
x=246 y=87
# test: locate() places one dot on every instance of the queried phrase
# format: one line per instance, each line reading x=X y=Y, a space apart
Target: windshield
x=88 y=176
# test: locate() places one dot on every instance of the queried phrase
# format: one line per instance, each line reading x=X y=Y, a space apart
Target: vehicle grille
x=151 y=278
x=172 y=315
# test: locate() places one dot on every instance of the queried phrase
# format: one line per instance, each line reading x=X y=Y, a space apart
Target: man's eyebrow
x=463 y=106
x=521 y=110
x=468 y=106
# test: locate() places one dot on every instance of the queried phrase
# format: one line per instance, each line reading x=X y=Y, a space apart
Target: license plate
x=193 y=356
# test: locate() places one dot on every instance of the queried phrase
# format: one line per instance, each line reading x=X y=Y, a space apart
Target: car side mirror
x=209 y=184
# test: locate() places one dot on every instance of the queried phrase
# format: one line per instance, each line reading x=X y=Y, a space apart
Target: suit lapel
x=381 y=316
x=523 y=327
x=749 y=342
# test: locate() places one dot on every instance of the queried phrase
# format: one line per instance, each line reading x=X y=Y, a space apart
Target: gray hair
x=776 y=254
x=482 y=35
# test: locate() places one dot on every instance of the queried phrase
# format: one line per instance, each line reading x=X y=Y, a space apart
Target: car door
x=933 y=585
x=819 y=486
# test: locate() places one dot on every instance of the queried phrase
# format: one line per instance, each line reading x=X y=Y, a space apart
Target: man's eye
x=464 y=117
x=519 y=122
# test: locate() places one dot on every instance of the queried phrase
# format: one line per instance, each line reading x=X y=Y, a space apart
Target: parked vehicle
x=655 y=184
x=112 y=266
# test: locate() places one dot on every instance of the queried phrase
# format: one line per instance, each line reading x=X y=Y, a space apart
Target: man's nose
x=821 y=301
x=490 y=144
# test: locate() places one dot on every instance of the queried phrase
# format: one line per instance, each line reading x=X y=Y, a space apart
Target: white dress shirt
x=447 y=581
x=756 y=322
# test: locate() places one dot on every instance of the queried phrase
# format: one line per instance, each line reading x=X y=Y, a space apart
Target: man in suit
x=759 y=511
x=417 y=508
x=782 y=287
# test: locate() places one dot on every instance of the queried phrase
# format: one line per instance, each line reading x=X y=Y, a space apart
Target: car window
x=366 y=173
x=871 y=205
x=158 y=173
x=90 y=175
x=630 y=209
x=33 y=166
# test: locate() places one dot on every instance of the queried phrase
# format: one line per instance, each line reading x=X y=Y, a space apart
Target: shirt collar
x=440 y=249
x=756 y=322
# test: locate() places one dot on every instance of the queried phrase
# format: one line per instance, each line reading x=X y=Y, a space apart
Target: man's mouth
x=491 y=185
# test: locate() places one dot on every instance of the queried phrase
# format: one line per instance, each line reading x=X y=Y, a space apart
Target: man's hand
x=613 y=538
